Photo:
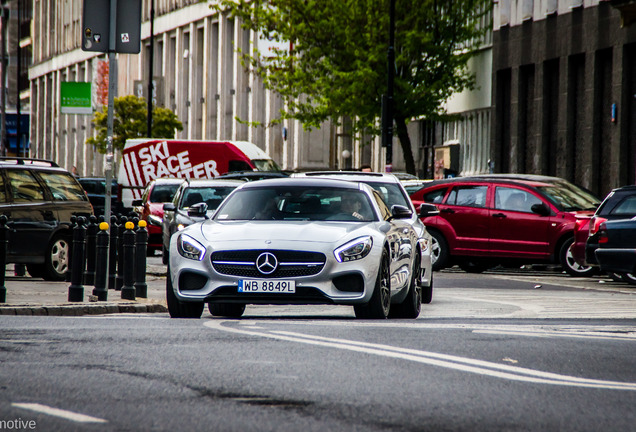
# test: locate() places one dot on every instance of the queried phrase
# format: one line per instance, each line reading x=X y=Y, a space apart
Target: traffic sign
x=96 y=26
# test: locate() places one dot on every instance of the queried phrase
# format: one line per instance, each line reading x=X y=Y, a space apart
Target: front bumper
x=346 y=283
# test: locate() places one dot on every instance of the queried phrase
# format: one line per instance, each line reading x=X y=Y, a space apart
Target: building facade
x=564 y=91
x=196 y=72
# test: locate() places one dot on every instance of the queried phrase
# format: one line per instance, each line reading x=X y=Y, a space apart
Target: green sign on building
x=76 y=98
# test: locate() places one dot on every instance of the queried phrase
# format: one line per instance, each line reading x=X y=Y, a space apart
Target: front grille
x=291 y=264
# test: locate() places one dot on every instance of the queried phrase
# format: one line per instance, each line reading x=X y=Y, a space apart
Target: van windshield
x=265 y=165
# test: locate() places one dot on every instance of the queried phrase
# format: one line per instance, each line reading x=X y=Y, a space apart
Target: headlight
x=354 y=250
x=154 y=220
x=180 y=227
x=190 y=248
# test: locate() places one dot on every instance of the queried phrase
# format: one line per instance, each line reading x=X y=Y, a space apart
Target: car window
x=391 y=194
x=24 y=186
x=627 y=207
x=435 y=196
x=515 y=199
x=163 y=193
x=63 y=186
x=568 y=198
x=469 y=196
x=3 y=193
x=212 y=196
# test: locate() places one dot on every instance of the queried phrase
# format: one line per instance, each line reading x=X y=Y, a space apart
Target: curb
x=83 y=309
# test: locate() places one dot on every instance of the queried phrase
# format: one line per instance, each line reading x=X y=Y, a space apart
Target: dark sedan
x=616 y=250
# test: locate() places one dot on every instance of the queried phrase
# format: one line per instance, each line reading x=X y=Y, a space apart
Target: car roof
x=360 y=176
x=302 y=181
x=213 y=182
x=167 y=181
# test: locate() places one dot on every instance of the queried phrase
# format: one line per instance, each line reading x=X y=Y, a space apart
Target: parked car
x=620 y=203
x=486 y=221
x=95 y=188
x=391 y=189
x=150 y=208
x=190 y=192
x=616 y=252
x=39 y=198
x=297 y=241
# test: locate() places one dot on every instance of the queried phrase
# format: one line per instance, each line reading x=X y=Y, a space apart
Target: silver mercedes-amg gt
x=298 y=241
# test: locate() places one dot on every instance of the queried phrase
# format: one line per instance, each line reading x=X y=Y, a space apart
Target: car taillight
x=602 y=233
x=595 y=224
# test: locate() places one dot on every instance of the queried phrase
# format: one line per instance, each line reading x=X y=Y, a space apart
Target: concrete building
x=564 y=90
x=197 y=74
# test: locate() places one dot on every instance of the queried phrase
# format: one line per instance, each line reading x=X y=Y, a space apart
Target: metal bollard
x=91 y=238
x=141 y=244
x=4 y=241
x=128 y=261
x=120 y=256
x=101 y=253
x=69 y=264
x=112 y=257
x=76 y=289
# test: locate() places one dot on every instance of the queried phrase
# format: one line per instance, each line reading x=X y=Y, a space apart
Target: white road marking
x=462 y=364
x=56 y=412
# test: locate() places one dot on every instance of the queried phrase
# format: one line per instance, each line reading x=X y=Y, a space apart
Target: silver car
x=298 y=241
x=391 y=188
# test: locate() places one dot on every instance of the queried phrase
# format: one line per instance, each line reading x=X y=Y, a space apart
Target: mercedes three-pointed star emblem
x=266 y=263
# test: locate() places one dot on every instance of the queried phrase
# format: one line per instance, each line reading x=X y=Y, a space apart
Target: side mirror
x=540 y=209
x=198 y=210
x=400 y=212
x=137 y=203
x=169 y=207
x=427 y=210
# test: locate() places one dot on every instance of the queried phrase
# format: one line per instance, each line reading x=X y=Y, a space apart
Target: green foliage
x=338 y=56
x=130 y=121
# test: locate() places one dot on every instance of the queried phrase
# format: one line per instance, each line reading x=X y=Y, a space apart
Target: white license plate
x=266 y=286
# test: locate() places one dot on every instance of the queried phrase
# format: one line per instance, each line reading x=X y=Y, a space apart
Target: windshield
x=570 y=197
x=265 y=165
x=163 y=193
x=212 y=196
x=297 y=203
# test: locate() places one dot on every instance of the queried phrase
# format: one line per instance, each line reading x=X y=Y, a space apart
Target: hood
x=258 y=231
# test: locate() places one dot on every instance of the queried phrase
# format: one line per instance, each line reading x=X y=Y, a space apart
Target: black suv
x=38 y=198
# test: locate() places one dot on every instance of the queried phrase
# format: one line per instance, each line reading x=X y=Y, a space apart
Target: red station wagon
x=488 y=221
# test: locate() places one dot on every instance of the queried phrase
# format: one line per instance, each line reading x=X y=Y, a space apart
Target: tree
x=336 y=66
x=129 y=121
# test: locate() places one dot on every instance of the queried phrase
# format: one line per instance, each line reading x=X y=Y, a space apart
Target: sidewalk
x=34 y=296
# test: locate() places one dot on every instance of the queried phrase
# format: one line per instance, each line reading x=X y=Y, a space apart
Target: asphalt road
x=492 y=352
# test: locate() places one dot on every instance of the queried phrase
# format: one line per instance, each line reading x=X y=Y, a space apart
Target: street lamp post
x=387 y=99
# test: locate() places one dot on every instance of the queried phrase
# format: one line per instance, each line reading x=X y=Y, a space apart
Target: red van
x=146 y=159
x=484 y=222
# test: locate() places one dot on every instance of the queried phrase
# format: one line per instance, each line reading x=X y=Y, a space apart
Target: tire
x=56 y=259
x=380 y=303
x=412 y=304
x=616 y=277
x=36 y=270
x=229 y=310
x=427 y=292
x=570 y=266
x=439 y=251
x=164 y=256
x=179 y=309
x=630 y=278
